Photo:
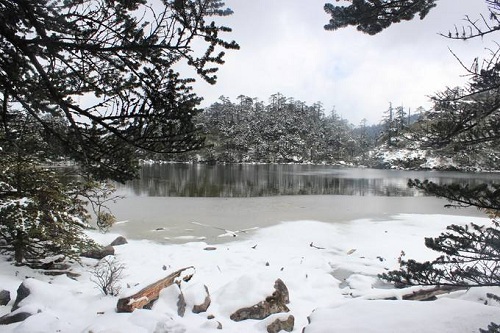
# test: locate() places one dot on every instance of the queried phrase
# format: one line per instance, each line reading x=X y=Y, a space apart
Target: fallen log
x=430 y=294
x=146 y=296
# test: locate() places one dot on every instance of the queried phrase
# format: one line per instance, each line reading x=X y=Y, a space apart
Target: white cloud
x=285 y=49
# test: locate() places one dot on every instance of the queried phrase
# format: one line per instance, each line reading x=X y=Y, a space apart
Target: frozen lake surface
x=263 y=180
x=185 y=202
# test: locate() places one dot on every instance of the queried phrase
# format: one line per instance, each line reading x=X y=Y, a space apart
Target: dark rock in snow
x=198 y=308
x=281 y=325
x=120 y=240
x=281 y=291
x=272 y=304
x=99 y=253
x=11 y=318
x=4 y=297
x=181 y=305
x=16 y=316
x=18 y=312
x=22 y=292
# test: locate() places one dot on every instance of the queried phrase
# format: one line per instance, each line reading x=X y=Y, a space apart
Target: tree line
x=283 y=130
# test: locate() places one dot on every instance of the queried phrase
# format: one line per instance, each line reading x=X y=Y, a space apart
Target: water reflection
x=199 y=180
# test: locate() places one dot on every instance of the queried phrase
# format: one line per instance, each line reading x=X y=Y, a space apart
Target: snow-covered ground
x=415 y=158
x=330 y=271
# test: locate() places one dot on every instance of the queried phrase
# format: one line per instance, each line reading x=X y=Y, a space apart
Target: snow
x=329 y=269
x=443 y=315
x=417 y=158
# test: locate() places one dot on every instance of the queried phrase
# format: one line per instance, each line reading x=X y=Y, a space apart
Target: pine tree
x=107 y=69
x=40 y=215
x=363 y=139
x=471 y=253
x=371 y=16
x=95 y=82
x=390 y=126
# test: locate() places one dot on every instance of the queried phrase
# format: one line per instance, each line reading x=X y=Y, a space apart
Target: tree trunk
x=149 y=294
x=19 y=247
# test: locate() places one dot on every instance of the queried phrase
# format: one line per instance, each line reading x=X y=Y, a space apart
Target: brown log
x=430 y=294
x=146 y=296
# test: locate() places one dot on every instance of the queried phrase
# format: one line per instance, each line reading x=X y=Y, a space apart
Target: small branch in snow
x=316 y=247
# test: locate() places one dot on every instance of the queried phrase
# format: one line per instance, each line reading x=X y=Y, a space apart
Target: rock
x=198 y=308
x=181 y=304
x=99 y=253
x=11 y=318
x=211 y=325
x=281 y=291
x=4 y=297
x=272 y=304
x=281 y=325
x=22 y=292
x=120 y=240
x=16 y=316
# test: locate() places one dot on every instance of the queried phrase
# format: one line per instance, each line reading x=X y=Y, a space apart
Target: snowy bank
x=330 y=271
x=415 y=158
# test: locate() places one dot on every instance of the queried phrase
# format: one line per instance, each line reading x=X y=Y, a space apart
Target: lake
x=176 y=202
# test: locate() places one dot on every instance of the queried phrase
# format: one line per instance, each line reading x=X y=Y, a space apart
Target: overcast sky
x=285 y=49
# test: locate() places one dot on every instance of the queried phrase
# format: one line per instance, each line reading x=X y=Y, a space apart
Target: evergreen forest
x=287 y=130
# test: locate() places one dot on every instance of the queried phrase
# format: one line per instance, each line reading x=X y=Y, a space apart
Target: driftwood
x=429 y=294
x=146 y=296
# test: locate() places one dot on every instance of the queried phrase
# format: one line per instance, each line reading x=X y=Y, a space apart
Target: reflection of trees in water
x=195 y=180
